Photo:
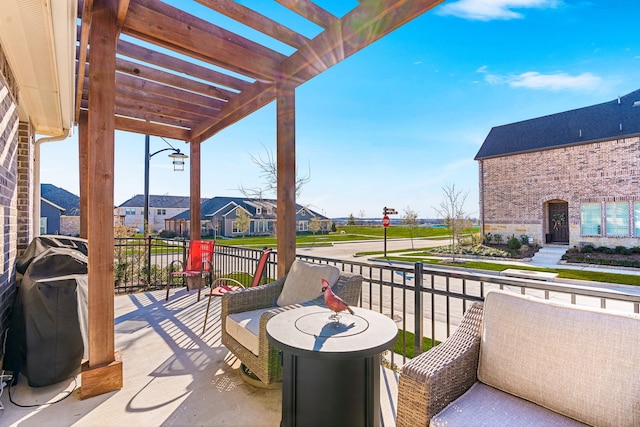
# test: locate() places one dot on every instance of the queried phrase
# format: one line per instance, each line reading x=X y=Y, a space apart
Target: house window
x=617 y=219
x=161 y=212
x=303 y=225
x=258 y=211
x=234 y=227
x=590 y=219
x=636 y=217
x=260 y=226
x=43 y=225
x=129 y=211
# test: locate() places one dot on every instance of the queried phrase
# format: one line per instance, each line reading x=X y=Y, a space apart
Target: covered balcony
x=97 y=66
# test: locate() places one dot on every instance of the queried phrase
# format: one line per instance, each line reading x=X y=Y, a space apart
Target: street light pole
x=147 y=157
x=178 y=165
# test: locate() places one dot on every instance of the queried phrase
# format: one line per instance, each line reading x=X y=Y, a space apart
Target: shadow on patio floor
x=173 y=376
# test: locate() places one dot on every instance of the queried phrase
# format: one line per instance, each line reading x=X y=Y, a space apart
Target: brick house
x=568 y=178
x=219 y=214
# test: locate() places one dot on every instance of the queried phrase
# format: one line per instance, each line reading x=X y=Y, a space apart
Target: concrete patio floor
x=173 y=376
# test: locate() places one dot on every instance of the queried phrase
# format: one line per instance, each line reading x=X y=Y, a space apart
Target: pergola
x=134 y=74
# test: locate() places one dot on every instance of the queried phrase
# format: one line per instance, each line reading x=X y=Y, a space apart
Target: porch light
x=178 y=160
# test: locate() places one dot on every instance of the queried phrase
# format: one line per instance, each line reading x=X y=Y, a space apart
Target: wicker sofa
x=519 y=360
x=245 y=313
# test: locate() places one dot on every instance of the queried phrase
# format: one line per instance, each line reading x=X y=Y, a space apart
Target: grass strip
x=593 y=276
x=410 y=340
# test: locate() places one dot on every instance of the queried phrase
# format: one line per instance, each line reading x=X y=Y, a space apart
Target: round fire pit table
x=331 y=370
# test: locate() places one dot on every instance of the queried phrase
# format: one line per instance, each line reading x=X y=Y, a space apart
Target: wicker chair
x=267 y=366
x=432 y=380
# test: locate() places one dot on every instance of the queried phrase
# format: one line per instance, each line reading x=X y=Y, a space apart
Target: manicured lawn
x=595 y=276
x=343 y=234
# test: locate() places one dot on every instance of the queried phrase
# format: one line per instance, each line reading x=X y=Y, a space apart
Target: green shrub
x=514 y=243
x=587 y=249
x=167 y=234
x=622 y=250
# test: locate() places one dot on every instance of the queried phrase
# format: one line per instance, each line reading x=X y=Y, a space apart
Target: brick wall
x=70 y=225
x=25 y=186
x=517 y=188
x=9 y=136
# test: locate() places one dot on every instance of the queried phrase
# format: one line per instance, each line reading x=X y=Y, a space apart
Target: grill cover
x=47 y=337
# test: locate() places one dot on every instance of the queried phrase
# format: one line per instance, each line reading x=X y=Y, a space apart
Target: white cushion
x=484 y=405
x=245 y=328
x=578 y=361
x=304 y=282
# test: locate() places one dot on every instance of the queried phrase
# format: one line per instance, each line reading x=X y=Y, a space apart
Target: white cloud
x=487 y=10
x=554 y=82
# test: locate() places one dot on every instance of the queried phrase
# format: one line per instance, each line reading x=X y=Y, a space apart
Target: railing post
x=148 y=261
x=418 y=269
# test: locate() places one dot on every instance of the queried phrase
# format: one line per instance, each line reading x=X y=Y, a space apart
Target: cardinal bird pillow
x=301 y=284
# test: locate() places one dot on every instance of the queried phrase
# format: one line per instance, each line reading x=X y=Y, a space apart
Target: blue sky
x=393 y=124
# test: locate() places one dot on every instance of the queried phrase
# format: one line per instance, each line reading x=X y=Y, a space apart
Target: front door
x=559 y=222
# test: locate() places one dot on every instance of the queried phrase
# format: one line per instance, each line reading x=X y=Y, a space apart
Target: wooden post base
x=102 y=379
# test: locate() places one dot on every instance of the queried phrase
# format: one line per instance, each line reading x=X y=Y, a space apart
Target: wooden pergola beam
x=286 y=166
x=359 y=28
x=151 y=21
x=195 y=179
x=235 y=10
x=155 y=129
x=311 y=11
x=175 y=64
x=103 y=371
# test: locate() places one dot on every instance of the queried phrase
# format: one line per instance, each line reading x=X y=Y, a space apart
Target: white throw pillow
x=304 y=282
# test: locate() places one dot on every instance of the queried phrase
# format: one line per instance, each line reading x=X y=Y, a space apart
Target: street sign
x=389 y=211
x=386 y=221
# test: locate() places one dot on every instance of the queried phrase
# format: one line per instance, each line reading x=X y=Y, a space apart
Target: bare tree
x=269 y=173
x=410 y=219
x=362 y=215
x=243 y=221
x=315 y=225
x=452 y=210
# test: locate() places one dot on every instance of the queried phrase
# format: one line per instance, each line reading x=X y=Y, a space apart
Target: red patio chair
x=199 y=265
x=219 y=288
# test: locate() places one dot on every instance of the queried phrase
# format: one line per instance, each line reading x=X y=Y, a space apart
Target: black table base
x=322 y=392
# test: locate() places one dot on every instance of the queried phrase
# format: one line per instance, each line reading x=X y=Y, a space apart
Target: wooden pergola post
x=103 y=372
x=83 y=166
x=286 y=165
x=194 y=199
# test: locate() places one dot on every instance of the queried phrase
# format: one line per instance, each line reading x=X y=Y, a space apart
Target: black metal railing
x=425 y=302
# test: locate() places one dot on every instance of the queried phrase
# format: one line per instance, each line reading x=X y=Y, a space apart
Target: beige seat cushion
x=304 y=282
x=482 y=405
x=577 y=361
x=245 y=328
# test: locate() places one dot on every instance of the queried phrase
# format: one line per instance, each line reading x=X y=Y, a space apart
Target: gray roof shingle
x=614 y=119
x=156 y=201
x=62 y=198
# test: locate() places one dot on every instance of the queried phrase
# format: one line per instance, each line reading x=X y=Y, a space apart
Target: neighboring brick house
x=59 y=211
x=567 y=178
x=131 y=212
x=219 y=214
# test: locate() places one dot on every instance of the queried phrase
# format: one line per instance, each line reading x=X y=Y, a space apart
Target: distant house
x=219 y=218
x=131 y=212
x=568 y=178
x=59 y=211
